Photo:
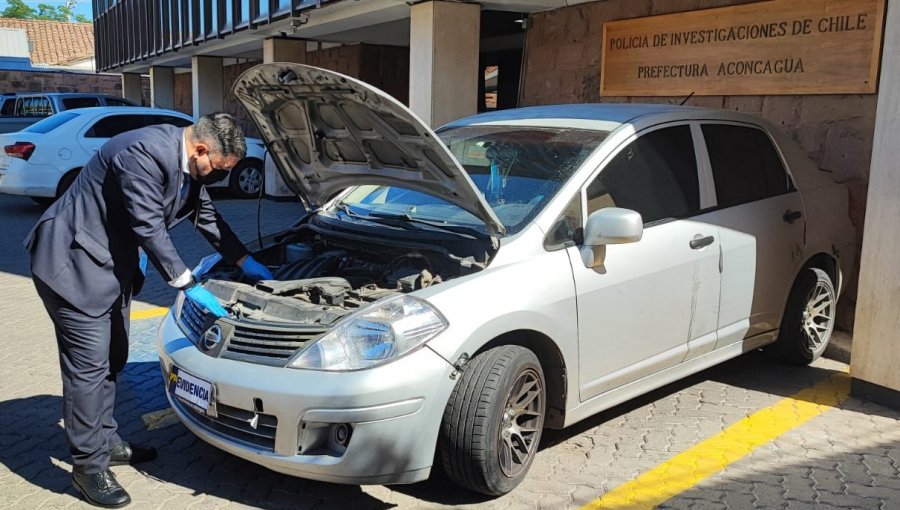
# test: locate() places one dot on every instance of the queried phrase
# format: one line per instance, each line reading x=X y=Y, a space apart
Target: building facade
x=447 y=59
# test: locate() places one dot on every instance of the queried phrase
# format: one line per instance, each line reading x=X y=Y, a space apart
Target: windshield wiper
x=406 y=218
x=407 y=222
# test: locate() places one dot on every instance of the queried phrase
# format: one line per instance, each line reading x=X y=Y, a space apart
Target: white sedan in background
x=42 y=160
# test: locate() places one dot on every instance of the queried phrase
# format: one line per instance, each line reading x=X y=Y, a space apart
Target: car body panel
x=405 y=398
x=679 y=290
x=327 y=131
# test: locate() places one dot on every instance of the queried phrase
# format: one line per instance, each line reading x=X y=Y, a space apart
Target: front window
x=517 y=170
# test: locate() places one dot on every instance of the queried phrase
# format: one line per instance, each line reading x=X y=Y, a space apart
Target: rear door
x=104 y=127
x=761 y=222
x=638 y=312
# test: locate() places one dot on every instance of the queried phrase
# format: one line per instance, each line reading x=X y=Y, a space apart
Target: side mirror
x=610 y=225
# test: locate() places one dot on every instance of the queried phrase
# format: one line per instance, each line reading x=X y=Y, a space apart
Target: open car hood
x=327 y=132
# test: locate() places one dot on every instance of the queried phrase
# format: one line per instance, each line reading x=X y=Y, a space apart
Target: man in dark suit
x=86 y=265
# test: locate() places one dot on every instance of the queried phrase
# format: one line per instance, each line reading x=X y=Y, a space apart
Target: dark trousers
x=92 y=350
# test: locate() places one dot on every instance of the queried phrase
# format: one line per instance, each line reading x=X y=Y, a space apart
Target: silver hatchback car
x=451 y=294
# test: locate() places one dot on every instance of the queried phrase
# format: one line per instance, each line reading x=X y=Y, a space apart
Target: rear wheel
x=493 y=421
x=808 y=319
x=65 y=182
x=246 y=179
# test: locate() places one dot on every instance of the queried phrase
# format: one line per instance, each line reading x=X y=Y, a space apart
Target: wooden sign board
x=777 y=47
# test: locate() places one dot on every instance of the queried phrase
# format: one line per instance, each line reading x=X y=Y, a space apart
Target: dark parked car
x=18 y=111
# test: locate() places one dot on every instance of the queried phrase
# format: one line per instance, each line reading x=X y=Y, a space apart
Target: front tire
x=808 y=319
x=493 y=421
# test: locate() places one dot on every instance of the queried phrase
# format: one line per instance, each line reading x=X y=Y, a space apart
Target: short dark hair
x=222 y=132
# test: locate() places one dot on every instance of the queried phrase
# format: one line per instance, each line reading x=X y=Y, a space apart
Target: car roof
x=62 y=94
x=131 y=110
x=597 y=116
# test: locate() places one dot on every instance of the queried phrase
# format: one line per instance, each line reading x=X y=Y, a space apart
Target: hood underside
x=327 y=132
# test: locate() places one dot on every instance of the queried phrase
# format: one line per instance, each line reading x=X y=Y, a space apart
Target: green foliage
x=18 y=9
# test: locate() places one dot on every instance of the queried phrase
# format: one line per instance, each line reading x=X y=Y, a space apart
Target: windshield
x=517 y=169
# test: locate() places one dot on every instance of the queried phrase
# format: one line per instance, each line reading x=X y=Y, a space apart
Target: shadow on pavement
x=33 y=445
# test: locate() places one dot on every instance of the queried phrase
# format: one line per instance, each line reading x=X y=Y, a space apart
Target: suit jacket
x=85 y=246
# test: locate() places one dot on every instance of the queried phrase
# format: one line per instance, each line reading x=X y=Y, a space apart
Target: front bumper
x=394 y=412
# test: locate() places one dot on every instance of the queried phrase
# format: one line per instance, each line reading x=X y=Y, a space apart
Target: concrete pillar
x=162 y=87
x=443 y=60
x=206 y=85
x=282 y=49
x=132 y=88
x=875 y=355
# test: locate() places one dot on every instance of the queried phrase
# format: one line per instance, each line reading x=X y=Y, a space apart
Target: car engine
x=320 y=280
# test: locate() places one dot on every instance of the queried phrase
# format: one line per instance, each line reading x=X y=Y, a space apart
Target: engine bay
x=319 y=278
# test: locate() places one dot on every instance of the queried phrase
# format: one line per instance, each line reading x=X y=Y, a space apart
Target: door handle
x=701 y=242
x=791 y=216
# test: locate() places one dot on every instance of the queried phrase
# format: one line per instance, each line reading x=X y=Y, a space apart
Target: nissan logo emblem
x=211 y=337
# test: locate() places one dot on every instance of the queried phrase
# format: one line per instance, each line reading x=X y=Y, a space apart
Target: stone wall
x=42 y=81
x=562 y=65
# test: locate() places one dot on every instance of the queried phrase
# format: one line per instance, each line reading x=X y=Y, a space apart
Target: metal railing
x=129 y=31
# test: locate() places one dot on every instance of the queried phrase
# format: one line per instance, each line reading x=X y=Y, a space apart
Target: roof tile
x=55 y=42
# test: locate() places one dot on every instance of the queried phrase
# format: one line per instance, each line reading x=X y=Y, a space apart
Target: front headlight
x=374 y=335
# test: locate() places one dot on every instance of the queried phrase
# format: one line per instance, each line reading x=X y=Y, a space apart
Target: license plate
x=190 y=389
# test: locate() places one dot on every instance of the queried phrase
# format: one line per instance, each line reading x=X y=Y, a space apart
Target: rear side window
x=745 y=164
x=111 y=101
x=70 y=103
x=33 y=107
x=9 y=107
x=167 y=119
x=113 y=125
x=656 y=175
x=50 y=123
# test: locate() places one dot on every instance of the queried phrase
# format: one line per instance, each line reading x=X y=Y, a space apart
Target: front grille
x=263 y=343
x=266 y=344
x=192 y=320
x=235 y=423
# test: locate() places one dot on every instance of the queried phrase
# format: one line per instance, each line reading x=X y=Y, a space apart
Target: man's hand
x=254 y=270
x=205 y=299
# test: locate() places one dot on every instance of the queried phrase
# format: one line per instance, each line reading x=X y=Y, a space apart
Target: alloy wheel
x=817 y=319
x=522 y=421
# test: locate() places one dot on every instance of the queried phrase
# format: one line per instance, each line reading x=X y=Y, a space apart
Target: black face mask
x=216 y=175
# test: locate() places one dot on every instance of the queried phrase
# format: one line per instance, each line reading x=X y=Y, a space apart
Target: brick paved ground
x=848 y=457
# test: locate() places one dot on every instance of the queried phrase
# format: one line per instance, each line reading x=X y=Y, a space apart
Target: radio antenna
x=687 y=99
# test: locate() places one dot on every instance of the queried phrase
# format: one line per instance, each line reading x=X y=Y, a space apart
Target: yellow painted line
x=150 y=313
x=713 y=455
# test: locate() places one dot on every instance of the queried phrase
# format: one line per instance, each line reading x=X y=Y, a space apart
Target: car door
x=104 y=127
x=638 y=311
x=761 y=221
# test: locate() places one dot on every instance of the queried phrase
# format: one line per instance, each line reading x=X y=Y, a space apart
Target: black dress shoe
x=101 y=489
x=126 y=453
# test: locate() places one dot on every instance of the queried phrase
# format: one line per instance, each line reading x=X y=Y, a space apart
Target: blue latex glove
x=254 y=270
x=205 y=299
x=142 y=261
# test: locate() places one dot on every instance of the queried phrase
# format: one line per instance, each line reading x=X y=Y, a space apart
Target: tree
x=18 y=9
x=52 y=13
